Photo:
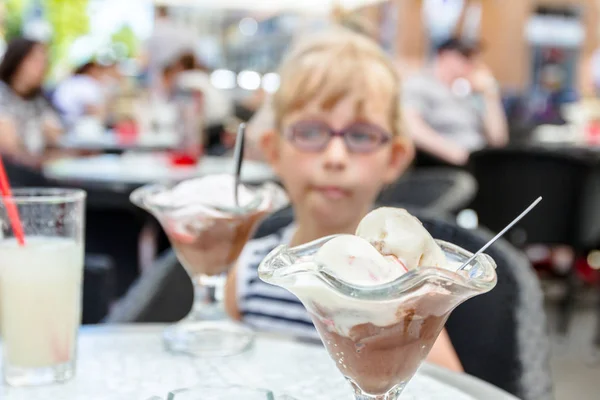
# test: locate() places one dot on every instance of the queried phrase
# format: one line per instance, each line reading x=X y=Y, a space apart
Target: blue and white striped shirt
x=264 y=306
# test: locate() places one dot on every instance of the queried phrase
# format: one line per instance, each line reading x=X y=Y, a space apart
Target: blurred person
x=336 y=81
x=217 y=104
x=167 y=42
x=168 y=80
x=549 y=95
x=454 y=107
x=29 y=126
x=82 y=94
x=111 y=79
x=589 y=75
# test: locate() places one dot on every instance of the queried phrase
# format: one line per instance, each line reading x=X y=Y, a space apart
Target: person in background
x=29 y=125
x=165 y=87
x=454 y=107
x=82 y=94
x=217 y=105
x=550 y=94
x=111 y=79
x=168 y=42
x=336 y=82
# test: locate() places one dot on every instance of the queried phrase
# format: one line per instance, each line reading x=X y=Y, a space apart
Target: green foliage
x=13 y=18
x=69 y=20
x=126 y=37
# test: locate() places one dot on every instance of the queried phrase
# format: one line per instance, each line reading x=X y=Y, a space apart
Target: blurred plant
x=69 y=20
x=13 y=18
x=125 y=39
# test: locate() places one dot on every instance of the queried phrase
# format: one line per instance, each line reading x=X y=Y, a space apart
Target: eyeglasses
x=360 y=137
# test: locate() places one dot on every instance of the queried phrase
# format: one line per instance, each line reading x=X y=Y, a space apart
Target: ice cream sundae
x=208 y=230
x=379 y=298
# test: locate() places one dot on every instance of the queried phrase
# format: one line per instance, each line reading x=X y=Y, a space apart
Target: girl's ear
x=401 y=156
x=269 y=145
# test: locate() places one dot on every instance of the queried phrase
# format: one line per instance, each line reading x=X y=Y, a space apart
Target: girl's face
x=30 y=74
x=333 y=185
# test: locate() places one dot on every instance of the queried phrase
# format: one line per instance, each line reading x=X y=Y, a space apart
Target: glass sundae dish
x=208 y=231
x=380 y=298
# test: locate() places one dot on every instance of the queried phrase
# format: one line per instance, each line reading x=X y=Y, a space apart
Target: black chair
x=424 y=159
x=500 y=336
x=569 y=181
x=98 y=287
x=164 y=293
x=442 y=190
x=23 y=176
x=510 y=179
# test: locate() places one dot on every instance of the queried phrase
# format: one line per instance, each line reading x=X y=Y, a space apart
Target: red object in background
x=184 y=158
x=587 y=273
x=593 y=133
x=127 y=131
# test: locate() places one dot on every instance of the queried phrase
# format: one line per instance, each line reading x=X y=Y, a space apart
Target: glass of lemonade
x=40 y=285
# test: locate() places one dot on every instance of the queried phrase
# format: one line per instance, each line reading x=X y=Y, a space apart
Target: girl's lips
x=333 y=192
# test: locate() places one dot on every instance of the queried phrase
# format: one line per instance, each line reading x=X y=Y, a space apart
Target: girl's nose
x=335 y=155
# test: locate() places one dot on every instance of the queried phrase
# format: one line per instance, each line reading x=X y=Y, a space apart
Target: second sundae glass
x=378 y=335
x=208 y=231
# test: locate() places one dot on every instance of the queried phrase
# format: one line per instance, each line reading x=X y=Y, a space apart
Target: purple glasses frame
x=380 y=135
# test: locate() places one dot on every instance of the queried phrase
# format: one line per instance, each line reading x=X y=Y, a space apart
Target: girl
x=337 y=142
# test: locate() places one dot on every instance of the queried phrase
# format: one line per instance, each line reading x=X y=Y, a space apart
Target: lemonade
x=40 y=300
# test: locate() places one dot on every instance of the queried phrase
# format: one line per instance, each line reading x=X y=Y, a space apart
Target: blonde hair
x=329 y=66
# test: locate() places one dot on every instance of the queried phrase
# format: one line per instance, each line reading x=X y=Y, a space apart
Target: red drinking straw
x=11 y=208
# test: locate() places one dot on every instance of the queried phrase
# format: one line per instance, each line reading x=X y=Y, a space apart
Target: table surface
x=109 y=141
x=139 y=169
x=128 y=362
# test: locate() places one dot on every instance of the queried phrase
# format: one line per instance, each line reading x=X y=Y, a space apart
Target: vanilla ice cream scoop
x=395 y=232
x=356 y=261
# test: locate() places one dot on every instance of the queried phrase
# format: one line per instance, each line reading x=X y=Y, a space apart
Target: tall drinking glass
x=40 y=285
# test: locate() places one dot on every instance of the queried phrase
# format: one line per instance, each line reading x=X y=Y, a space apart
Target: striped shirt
x=264 y=306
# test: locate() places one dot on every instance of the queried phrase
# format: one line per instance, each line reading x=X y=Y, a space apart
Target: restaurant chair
x=98 y=287
x=23 y=176
x=569 y=181
x=442 y=190
x=501 y=336
x=424 y=159
x=163 y=293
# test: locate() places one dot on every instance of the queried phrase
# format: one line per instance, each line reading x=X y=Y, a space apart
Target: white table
x=110 y=142
x=139 y=169
x=129 y=363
